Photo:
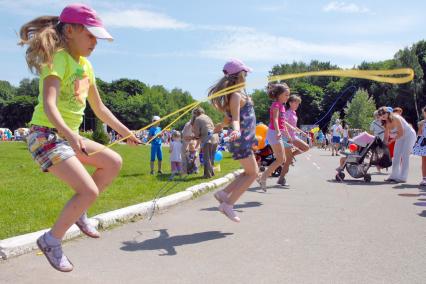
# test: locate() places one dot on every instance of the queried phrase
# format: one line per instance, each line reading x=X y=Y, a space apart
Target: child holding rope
x=279 y=93
x=238 y=107
x=301 y=147
x=57 y=51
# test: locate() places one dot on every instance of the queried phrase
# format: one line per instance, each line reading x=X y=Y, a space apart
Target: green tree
x=408 y=58
x=7 y=91
x=28 y=87
x=359 y=112
x=17 y=111
x=261 y=103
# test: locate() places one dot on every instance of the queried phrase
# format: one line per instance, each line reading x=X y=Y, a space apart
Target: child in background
x=291 y=118
x=176 y=153
x=420 y=146
x=239 y=111
x=57 y=51
x=156 y=143
x=191 y=158
x=279 y=93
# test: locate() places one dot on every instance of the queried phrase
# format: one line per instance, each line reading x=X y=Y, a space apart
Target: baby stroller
x=264 y=158
x=376 y=153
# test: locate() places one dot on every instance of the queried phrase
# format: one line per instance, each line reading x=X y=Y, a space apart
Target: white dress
x=418 y=149
x=403 y=148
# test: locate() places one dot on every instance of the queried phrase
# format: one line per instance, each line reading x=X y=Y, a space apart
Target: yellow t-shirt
x=76 y=79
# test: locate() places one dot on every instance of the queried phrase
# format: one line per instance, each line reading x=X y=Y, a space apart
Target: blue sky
x=185 y=43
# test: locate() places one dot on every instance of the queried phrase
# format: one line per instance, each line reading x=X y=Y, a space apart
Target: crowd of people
x=197 y=139
x=18 y=135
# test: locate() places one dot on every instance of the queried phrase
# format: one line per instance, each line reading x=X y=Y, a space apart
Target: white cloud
x=344 y=7
x=141 y=19
x=257 y=46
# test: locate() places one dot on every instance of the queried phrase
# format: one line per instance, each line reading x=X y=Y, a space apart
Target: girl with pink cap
x=239 y=112
x=57 y=51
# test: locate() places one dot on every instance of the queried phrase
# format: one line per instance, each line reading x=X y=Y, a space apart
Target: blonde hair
x=222 y=103
x=43 y=40
x=44 y=36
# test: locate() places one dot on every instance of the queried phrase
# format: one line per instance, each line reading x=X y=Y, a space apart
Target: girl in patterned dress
x=420 y=146
x=239 y=112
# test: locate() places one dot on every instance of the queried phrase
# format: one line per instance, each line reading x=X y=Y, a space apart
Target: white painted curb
x=20 y=245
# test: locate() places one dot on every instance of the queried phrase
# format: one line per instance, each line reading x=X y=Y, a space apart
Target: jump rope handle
x=227 y=139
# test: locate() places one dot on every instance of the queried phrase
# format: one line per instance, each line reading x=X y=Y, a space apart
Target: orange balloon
x=261 y=130
x=261 y=143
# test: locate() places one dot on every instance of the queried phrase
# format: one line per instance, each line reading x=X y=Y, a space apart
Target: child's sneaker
x=87 y=228
x=228 y=210
x=221 y=196
x=262 y=183
x=54 y=255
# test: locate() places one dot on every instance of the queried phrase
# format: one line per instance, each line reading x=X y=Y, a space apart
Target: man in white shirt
x=335 y=140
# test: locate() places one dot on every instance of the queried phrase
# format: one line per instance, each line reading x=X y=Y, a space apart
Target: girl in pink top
x=277 y=128
x=291 y=119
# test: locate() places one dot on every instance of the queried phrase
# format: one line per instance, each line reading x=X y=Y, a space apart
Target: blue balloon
x=218 y=156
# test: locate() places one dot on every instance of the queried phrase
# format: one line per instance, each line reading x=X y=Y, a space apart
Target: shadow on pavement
x=237 y=206
x=358 y=182
x=168 y=243
x=275 y=186
x=423 y=214
x=411 y=194
x=405 y=186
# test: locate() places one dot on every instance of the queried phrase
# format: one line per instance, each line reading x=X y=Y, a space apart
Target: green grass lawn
x=31 y=200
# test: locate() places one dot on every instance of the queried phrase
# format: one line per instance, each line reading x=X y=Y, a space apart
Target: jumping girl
x=239 y=112
x=57 y=51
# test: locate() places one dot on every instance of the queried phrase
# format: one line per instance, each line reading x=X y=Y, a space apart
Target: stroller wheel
x=367 y=178
x=340 y=176
x=262 y=168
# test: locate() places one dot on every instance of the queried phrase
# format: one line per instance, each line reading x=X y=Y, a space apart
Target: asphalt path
x=313 y=231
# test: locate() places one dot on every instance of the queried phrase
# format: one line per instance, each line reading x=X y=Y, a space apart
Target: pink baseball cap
x=86 y=16
x=234 y=66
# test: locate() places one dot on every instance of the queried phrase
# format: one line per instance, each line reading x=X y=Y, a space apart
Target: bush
x=99 y=134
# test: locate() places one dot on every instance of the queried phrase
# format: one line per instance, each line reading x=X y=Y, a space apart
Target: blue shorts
x=156 y=151
x=335 y=139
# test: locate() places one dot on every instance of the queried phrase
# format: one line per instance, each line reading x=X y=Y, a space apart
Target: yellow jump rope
x=394 y=76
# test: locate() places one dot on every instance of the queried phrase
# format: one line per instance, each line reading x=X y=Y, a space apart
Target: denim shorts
x=336 y=139
x=271 y=136
x=47 y=147
x=272 y=139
